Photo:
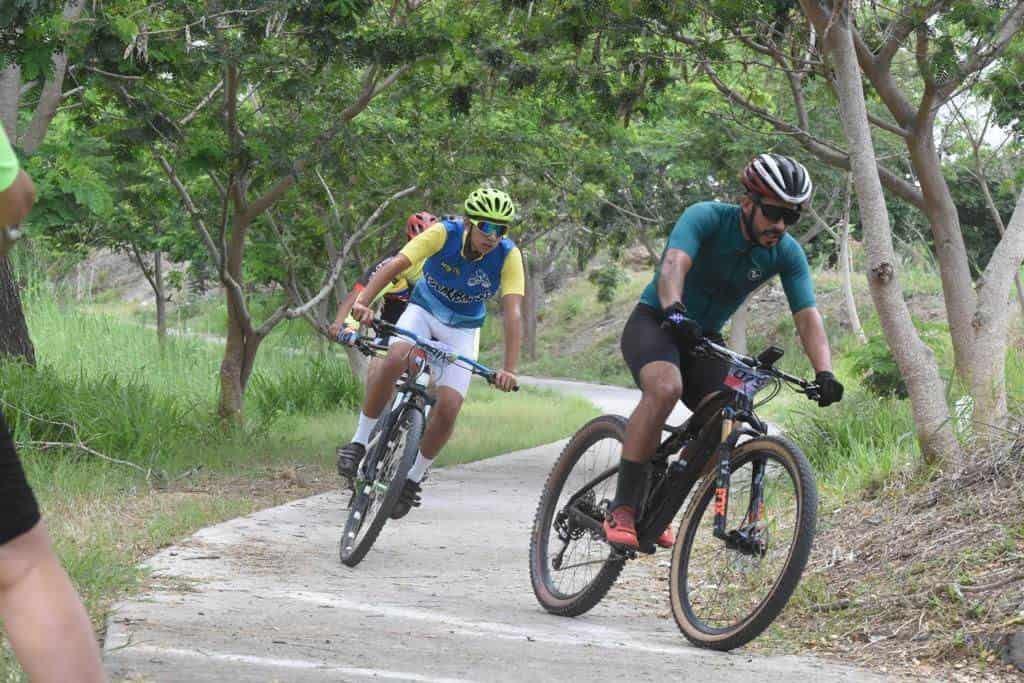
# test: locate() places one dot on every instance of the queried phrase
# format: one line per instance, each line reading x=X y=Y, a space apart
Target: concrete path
x=444 y=595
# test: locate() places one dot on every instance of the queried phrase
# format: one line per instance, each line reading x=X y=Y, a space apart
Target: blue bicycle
x=392 y=449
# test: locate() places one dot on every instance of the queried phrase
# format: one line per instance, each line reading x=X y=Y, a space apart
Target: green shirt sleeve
x=8 y=162
x=696 y=224
x=796 y=278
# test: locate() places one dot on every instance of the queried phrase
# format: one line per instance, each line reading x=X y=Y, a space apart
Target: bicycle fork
x=745 y=538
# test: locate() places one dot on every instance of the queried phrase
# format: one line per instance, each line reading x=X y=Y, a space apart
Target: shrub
x=876 y=368
x=321 y=384
x=608 y=279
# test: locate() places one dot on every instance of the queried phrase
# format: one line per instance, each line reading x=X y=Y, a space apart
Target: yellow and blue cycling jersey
x=454 y=289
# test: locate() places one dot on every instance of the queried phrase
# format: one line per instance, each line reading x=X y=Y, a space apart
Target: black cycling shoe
x=349 y=457
x=409 y=499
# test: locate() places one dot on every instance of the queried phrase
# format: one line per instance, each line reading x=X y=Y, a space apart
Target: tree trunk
x=534 y=286
x=915 y=360
x=14 y=338
x=950 y=250
x=738 y=329
x=846 y=267
x=991 y=324
x=10 y=95
x=161 y=296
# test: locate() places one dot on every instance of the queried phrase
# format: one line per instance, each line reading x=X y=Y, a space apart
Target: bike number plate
x=745 y=380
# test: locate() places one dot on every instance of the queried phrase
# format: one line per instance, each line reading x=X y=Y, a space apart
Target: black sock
x=632 y=478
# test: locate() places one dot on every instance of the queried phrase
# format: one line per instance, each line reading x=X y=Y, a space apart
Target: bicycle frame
x=710 y=435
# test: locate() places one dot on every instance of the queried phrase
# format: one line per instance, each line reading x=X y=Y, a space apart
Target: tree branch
x=879 y=73
x=370 y=89
x=142 y=266
x=985 y=52
x=887 y=126
x=234 y=289
x=187 y=119
x=335 y=270
x=827 y=152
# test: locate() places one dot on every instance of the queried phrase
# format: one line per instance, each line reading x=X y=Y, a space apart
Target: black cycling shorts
x=19 y=511
x=392 y=309
x=643 y=342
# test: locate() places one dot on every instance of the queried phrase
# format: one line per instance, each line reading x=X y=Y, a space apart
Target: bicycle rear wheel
x=571 y=565
x=724 y=594
x=386 y=470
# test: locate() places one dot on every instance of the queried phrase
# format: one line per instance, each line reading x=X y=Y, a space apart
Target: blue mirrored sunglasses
x=489 y=228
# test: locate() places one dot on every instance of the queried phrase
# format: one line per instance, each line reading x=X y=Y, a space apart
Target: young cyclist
x=393 y=298
x=464 y=262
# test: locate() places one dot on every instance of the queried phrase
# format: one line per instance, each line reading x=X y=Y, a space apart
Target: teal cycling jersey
x=727 y=267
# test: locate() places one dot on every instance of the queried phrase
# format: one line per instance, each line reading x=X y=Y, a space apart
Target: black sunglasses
x=774 y=213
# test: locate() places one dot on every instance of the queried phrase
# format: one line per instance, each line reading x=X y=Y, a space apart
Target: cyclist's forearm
x=388 y=272
x=513 y=321
x=811 y=329
x=345 y=307
x=674 y=267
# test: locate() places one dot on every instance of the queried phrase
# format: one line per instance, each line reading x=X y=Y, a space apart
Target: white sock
x=420 y=467
x=366 y=425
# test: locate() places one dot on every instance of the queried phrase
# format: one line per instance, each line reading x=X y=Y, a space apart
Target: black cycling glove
x=829 y=389
x=686 y=330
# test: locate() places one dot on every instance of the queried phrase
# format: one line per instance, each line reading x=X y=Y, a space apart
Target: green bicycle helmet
x=490 y=205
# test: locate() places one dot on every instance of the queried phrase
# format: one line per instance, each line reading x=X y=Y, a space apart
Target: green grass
x=489 y=422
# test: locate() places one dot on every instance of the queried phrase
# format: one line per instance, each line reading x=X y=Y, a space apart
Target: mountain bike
x=392 y=449
x=744 y=538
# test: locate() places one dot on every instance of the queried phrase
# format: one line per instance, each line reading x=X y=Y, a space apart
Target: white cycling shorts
x=463 y=341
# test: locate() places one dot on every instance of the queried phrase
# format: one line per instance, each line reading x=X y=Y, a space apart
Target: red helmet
x=418 y=222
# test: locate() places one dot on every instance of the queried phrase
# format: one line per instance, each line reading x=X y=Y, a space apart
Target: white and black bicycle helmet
x=778 y=177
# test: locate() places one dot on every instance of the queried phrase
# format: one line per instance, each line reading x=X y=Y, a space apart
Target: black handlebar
x=708 y=347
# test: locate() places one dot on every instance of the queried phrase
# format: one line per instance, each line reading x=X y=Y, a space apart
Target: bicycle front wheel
x=571 y=565
x=725 y=592
x=377 y=494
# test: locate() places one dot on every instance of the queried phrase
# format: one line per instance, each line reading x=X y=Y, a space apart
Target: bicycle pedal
x=647 y=547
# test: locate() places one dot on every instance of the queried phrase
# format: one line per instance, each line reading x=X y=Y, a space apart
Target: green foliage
x=320 y=384
x=608 y=279
x=857 y=444
x=876 y=368
x=110 y=414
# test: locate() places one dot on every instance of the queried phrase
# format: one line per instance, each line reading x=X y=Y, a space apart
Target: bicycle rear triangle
x=743 y=539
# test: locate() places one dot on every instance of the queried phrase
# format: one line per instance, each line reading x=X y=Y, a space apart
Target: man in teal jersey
x=464 y=262
x=42 y=614
x=716 y=255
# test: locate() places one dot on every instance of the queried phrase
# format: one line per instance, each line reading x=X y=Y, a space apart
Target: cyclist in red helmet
x=418 y=222
x=717 y=254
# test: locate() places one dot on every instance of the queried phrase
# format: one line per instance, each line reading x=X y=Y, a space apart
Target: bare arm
x=15 y=203
x=674 y=268
x=812 y=334
x=388 y=272
x=512 y=316
x=345 y=307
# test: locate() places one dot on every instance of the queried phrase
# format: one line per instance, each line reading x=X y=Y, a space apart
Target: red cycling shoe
x=620 y=527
